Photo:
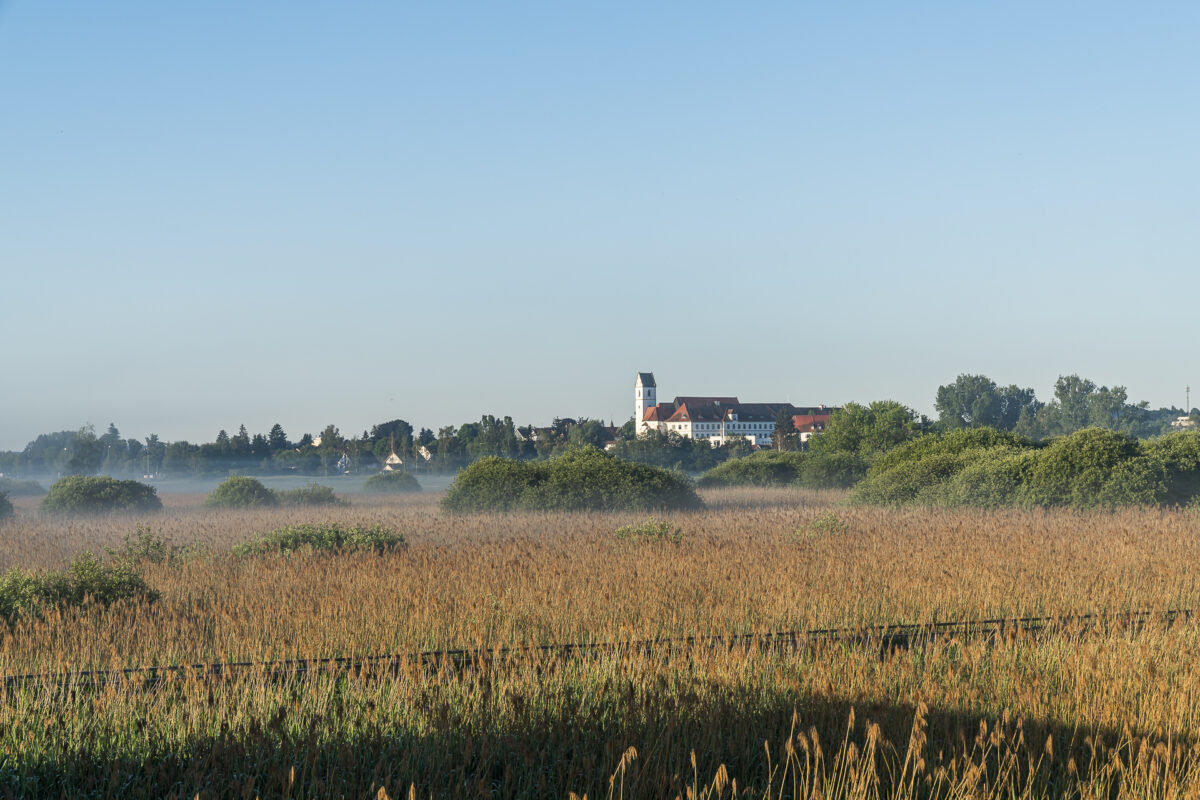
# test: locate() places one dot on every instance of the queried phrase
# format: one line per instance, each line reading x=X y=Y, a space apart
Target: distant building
x=717 y=419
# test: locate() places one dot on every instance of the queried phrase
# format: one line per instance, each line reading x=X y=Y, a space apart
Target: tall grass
x=1109 y=714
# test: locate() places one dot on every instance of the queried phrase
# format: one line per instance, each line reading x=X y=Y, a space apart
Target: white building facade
x=718 y=419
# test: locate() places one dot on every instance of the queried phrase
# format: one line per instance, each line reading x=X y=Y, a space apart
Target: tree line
x=970 y=401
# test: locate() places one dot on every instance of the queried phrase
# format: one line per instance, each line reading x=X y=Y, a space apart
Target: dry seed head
x=722 y=779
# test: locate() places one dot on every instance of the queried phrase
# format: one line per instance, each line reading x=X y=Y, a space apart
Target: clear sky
x=224 y=213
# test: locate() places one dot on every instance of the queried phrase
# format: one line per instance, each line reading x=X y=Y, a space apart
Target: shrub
x=310 y=495
x=144 y=546
x=1179 y=454
x=389 y=482
x=651 y=530
x=828 y=525
x=1076 y=470
x=6 y=507
x=810 y=470
x=953 y=443
x=1091 y=468
x=764 y=468
x=920 y=472
x=584 y=478
x=240 y=491
x=85 y=582
x=992 y=479
x=15 y=488
x=492 y=484
x=327 y=537
x=831 y=470
x=85 y=494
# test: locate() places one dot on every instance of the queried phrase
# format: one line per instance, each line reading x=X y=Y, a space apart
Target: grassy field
x=1104 y=714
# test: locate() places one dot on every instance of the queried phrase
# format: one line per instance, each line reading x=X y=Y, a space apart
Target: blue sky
x=214 y=214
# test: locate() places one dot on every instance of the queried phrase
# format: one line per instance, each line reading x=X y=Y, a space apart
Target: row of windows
x=758 y=426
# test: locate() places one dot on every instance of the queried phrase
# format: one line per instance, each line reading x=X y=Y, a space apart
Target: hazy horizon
x=665 y=394
x=297 y=214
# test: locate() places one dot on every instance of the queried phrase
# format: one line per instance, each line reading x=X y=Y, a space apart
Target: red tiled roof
x=810 y=423
x=681 y=414
x=658 y=413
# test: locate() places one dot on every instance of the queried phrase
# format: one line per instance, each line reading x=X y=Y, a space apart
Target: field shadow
x=578 y=746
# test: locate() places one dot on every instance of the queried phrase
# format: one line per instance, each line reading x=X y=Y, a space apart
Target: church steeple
x=644 y=397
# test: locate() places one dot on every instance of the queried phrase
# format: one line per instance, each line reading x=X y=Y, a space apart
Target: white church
x=717 y=419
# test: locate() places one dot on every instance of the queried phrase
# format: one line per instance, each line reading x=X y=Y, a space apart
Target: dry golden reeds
x=1106 y=713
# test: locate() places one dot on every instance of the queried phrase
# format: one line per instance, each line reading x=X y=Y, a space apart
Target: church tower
x=644 y=397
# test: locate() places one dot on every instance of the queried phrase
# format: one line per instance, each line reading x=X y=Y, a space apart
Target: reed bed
x=1106 y=714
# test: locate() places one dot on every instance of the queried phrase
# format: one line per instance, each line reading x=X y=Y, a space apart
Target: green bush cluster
x=87 y=494
x=85 y=582
x=6 y=507
x=1091 y=468
x=585 y=478
x=326 y=537
x=16 y=488
x=240 y=491
x=764 y=468
x=389 y=482
x=311 y=494
x=821 y=527
x=652 y=530
x=144 y=546
x=809 y=470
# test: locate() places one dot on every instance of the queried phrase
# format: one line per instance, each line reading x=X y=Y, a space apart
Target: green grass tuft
x=326 y=537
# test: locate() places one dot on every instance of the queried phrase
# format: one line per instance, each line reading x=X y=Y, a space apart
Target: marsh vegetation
x=1106 y=713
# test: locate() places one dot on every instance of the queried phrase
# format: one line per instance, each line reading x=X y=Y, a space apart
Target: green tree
x=276 y=439
x=259 y=447
x=113 y=451
x=152 y=454
x=1079 y=403
x=489 y=437
x=737 y=446
x=396 y=429
x=975 y=401
x=867 y=431
x=588 y=432
x=784 y=435
x=448 y=448
x=86 y=453
x=331 y=447
x=239 y=443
